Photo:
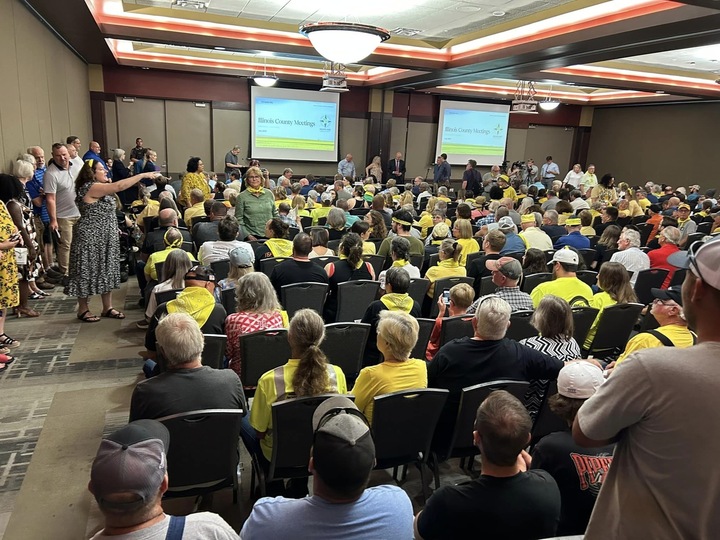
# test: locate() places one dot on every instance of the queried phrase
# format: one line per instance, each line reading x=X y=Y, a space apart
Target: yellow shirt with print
x=567 y=288
x=677 y=333
x=386 y=378
x=599 y=301
x=266 y=395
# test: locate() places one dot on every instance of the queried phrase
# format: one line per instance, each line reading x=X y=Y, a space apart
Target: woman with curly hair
x=377 y=225
x=307 y=373
x=193 y=179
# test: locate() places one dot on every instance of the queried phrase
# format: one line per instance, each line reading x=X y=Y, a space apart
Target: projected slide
x=294 y=125
x=473 y=131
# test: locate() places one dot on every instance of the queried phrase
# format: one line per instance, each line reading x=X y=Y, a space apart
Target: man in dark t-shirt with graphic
x=507 y=501
x=579 y=472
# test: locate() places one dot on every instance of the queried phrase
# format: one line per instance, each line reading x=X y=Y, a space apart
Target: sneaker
x=54 y=272
x=143 y=325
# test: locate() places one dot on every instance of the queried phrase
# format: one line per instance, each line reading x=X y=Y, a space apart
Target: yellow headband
x=401 y=222
x=527 y=218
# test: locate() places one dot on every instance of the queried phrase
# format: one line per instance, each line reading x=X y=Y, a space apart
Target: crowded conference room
x=326 y=269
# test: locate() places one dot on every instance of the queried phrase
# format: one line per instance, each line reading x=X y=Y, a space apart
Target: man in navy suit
x=396 y=168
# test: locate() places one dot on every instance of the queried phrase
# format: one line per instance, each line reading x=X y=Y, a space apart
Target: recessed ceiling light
x=691 y=63
x=467 y=8
x=219 y=48
x=498 y=13
x=659 y=92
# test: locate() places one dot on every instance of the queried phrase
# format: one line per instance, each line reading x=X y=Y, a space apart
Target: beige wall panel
x=353 y=140
x=516 y=143
x=27 y=75
x=188 y=134
x=143 y=118
x=398 y=138
x=550 y=141
x=111 y=127
x=10 y=116
x=78 y=98
x=229 y=128
x=59 y=114
x=672 y=144
x=421 y=149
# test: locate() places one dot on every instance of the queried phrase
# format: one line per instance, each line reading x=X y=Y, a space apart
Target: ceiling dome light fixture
x=265 y=80
x=343 y=42
x=550 y=104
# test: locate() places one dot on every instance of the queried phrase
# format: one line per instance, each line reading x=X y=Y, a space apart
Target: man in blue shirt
x=342 y=457
x=94 y=154
x=573 y=238
x=347 y=167
x=441 y=170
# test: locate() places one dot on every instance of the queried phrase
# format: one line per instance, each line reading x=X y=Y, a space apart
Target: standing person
x=375 y=169
x=589 y=180
x=471 y=178
x=530 y=173
x=573 y=177
x=579 y=472
x=231 y=161
x=95 y=251
x=193 y=179
x=92 y=153
x=346 y=167
x=59 y=183
x=9 y=290
x=549 y=171
x=396 y=168
x=138 y=152
x=255 y=205
x=441 y=171
x=36 y=191
x=660 y=407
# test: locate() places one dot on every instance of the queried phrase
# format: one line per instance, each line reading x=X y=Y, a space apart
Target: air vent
x=191 y=4
x=405 y=32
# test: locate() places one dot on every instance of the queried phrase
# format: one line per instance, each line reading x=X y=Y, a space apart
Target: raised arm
x=98 y=190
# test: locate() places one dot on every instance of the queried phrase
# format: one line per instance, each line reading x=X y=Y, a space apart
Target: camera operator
x=530 y=172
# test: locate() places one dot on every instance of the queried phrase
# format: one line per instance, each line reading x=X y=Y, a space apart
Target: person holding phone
x=9 y=289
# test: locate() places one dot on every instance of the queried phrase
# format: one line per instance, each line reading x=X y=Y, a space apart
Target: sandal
x=113 y=313
x=36 y=296
x=88 y=317
x=6 y=359
x=7 y=341
x=25 y=312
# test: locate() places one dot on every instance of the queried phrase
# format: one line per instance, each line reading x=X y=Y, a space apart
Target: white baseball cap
x=579 y=380
x=702 y=260
x=565 y=255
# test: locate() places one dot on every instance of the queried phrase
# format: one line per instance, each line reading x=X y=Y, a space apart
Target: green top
x=253 y=211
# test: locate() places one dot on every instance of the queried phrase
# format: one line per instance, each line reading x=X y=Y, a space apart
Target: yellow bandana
x=397 y=302
x=196 y=302
x=256 y=191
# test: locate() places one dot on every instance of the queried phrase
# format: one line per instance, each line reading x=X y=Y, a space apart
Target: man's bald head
x=167 y=217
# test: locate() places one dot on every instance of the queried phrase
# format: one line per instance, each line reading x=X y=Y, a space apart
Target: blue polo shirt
x=33 y=188
x=574 y=239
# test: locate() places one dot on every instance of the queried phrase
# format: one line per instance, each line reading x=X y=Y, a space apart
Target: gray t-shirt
x=61 y=182
x=230 y=158
x=205 y=525
x=381 y=512
x=664 y=481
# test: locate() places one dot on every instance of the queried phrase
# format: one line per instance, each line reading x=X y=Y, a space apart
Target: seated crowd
x=519 y=265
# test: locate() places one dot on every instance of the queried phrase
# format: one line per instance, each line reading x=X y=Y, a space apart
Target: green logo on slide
x=325 y=121
x=498 y=129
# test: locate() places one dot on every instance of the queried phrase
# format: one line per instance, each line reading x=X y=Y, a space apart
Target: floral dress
x=31 y=270
x=95 y=249
x=9 y=291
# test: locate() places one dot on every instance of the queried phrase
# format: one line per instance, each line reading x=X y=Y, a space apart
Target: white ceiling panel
x=703 y=59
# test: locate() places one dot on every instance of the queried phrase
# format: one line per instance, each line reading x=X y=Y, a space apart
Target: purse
x=21 y=255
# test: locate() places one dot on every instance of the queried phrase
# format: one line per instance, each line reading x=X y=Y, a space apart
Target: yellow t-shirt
x=567 y=288
x=469 y=245
x=600 y=301
x=159 y=257
x=444 y=199
x=320 y=212
x=386 y=378
x=425 y=223
x=369 y=248
x=678 y=334
x=587 y=231
x=509 y=193
x=444 y=269
x=266 y=395
x=196 y=210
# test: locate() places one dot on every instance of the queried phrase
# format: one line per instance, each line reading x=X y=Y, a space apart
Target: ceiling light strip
x=590 y=98
x=635 y=76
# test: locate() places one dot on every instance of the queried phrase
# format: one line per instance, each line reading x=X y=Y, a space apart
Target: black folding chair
x=703 y=228
x=166 y=296
x=418 y=260
x=472 y=256
x=220 y=269
x=589 y=255
x=376 y=261
x=334 y=245
x=546 y=421
x=426 y=326
x=325 y=260
x=213 y=354
x=520 y=327
x=613 y=330
x=583 y=317
x=344 y=346
x=354 y=298
x=203 y=456
x=456 y=327
x=441 y=285
x=403 y=427
x=678 y=277
x=533 y=280
x=262 y=351
x=303 y=295
x=587 y=276
x=647 y=280
x=418 y=289
x=267 y=265
x=228 y=300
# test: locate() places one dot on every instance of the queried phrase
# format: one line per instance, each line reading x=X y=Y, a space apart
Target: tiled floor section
x=71 y=383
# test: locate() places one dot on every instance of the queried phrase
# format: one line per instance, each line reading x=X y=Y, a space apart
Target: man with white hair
x=346 y=167
x=550 y=224
x=630 y=255
x=487 y=356
x=531 y=235
x=669 y=238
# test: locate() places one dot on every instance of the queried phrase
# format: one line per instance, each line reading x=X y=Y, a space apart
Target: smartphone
x=14 y=237
x=446 y=296
x=57 y=234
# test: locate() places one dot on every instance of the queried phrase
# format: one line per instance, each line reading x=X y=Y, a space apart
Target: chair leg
x=435 y=469
x=424 y=484
x=395 y=476
x=404 y=472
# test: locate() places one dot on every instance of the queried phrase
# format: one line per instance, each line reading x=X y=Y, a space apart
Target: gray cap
x=242 y=256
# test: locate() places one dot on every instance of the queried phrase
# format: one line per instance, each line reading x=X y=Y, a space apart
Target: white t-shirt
x=61 y=182
x=205 y=525
x=664 y=481
x=218 y=250
x=573 y=178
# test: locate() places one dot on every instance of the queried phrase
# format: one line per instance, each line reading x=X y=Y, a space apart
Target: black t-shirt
x=579 y=473
x=524 y=506
x=466 y=362
x=156 y=236
x=472 y=177
x=293 y=271
x=478 y=270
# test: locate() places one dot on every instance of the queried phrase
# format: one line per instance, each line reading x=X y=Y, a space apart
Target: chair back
x=613 y=330
x=461 y=442
x=472 y=256
x=403 y=425
x=322 y=221
x=533 y=280
x=678 y=277
x=456 y=327
x=376 y=261
x=694 y=237
x=303 y=295
x=645 y=230
x=520 y=327
x=589 y=255
x=220 y=269
x=293 y=435
x=546 y=421
x=159 y=267
x=228 y=300
x=441 y=285
x=344 y=346
x=583 y=317
x=418 y=289
x=647 y=280
x=166 y=296
x=147 y=224
x=213 y=434
x=433 y=260
x=486 y=286
x=267 y=265
x=325 y=260
x=549 y=254
x=426 y=326
x=334 y=245
x=417 y=261
x=262 y=351
x=702 y=228
x=306 y=222
x=213 y=354
x=587 y=276
x=354 y=297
